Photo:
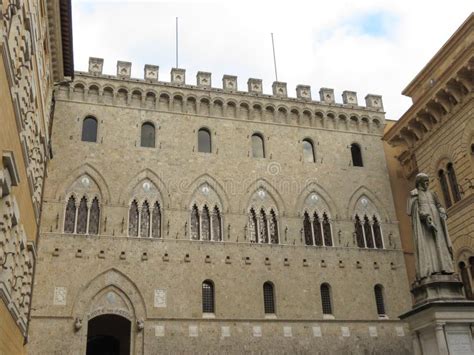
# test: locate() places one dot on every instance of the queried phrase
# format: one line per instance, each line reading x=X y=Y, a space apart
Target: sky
x=367 y=46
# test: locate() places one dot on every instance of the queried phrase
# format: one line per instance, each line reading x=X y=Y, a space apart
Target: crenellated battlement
x=229 y=84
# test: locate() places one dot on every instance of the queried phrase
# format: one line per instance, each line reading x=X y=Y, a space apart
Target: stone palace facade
x=187 y=218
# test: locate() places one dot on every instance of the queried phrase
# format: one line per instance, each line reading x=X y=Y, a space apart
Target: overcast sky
x=368 y=46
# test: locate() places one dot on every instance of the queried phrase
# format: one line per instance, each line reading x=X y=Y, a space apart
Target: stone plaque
x=287 y=332
x=459 y=341
x=160 y=298
x=193 y=331
x=400 y=332
x=373 y=331
x=317 y=331
x=345 y=332
x=225 y=331
x=59 y=296
x=257 y=331
x=159 y=330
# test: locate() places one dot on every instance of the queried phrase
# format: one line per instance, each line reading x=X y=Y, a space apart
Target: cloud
x=368 y=46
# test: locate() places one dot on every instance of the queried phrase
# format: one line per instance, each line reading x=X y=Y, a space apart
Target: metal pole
x=177 y=42
x=274 y=59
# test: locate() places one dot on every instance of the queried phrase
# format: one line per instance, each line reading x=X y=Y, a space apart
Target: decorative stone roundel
x=261 y=193
x=85 y=181
x=205 y=189
x=146 y=186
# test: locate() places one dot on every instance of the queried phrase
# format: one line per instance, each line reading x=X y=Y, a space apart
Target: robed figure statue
x=433 y=248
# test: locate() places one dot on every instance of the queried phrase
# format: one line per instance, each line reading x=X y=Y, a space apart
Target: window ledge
x=209 y=315
x=328 y=316
x=383 y=316
x=270 y=316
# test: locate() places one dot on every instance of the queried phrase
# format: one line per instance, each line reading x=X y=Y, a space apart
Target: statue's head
x=421 y=181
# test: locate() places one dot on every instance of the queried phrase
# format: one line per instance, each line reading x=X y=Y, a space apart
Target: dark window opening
x=258 y=148
x=204 y=141
x=89 y=130
x=444 y=188
x=148 y=135
x=326 y=299
x=308 y=151
x=453 y=182
x=356 y=154
x=268 y=298
x=378 y=290
x=207 y=297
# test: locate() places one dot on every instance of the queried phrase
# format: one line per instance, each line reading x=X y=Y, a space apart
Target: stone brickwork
x=156 y=282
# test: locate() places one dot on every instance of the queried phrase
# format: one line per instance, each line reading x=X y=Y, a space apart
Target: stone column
x=441 y=339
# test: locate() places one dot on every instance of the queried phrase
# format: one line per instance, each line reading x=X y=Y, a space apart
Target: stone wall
x=79 y=275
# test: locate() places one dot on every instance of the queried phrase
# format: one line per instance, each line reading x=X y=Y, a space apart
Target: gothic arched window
x=263 y=237
x=204 y=141
x=444 y=188
x=466 y=280
x=258 y=147
x=70 y=215
x=253 y=226
x=377 y=233
x=208 y=297
x=89 y=129
x=82 y=212
x=308 y=234
x=327 y=231
x=308 y=151
x=94 y=214
x=369 y=241
x=359 y=232
x=145 y=220
x=156 y=221
x=194 y=223
x=147 y=137
x=318 y=235
x=273 y=228
x=133 y=219
x=356 y=154
x=216 y=225
x=326 y=298
x=268 y=298
x=205 y=224
x=453 y=182
x=379 y=301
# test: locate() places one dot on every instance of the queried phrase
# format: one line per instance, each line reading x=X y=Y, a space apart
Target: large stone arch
x=361 y=192
x=145 y=174
x=110 y=292
x=317 y=189
x=273 y=194
x=199 y=182
x=116 y=281
x=90 y=171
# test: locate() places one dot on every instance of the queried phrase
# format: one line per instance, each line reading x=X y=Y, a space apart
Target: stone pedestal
x=442 y=320
x=437 y=288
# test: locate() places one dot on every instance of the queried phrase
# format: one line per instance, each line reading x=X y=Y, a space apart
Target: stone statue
x=433 y=249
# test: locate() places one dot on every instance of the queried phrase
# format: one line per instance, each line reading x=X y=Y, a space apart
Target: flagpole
x=274 y=59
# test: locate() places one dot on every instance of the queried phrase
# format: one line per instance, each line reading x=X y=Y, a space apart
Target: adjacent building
x=36 y=53
x=436 y=136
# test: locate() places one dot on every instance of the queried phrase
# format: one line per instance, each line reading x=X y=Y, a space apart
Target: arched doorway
x=108 y=334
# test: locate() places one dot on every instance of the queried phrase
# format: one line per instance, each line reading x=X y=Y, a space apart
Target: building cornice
x=443 y=53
